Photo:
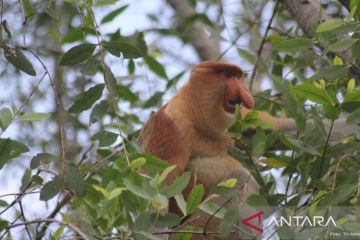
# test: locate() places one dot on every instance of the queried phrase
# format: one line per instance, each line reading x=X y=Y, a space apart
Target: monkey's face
x=235 y=92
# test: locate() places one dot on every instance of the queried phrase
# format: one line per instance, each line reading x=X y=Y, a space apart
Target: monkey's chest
x=211 y=170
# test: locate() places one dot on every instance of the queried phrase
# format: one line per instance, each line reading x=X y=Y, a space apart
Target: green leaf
x=159 y=202
x=6 y=118
x=166 y=172
x=27 y=8
x=42 y=158
x=275 y=162
x=110 y=82
x=180 y=201
x=257 y=200
x=109 y=17
x=74 y=180
x=315 y=94
x=131 y=67
x=137 y=163
x=351 y=85
x=116 y=192
x=329 y=25
x=73 y=36
x=259 y=142
x=129 y=47
x=156 y=67
x=351 y=101
x=229 y=221
x=136 y=190
x=213 y=209
x=87 y=99
x=58 y=232
x=354 y=117
x=25 y=180
x=77 y=34
x=355 y=49
x=117 y=48
x=341 y=194
x=293 y=45
x=105 y=2
x=330 y=73
x=52 y=188
x=292 y=103
x=15 y=148
x=3 y=224
x=77 y=54
x=194 y=199
x=168 y=220
x=3 y=203
x=153 y=162
x=177 y=186
x=102 y=190
x=198 y=17
x=105 y=138
x=127 y=94
x=247 y=55
x=99 y=111
x=154 y=100
x=298 y=145
x=90 y=67
x=5 y=150
x=342 y=45
x=32 y=117
x=19 y=60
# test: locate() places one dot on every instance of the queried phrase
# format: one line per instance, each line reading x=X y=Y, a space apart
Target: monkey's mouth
x=231 y=105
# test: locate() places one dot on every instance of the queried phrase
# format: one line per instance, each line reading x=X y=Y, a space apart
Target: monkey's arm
x=162 y=138
x=340 y=130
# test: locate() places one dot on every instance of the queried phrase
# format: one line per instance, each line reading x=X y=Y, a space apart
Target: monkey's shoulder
x=161 y=137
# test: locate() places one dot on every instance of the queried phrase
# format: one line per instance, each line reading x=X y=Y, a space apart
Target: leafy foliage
x=60 y=61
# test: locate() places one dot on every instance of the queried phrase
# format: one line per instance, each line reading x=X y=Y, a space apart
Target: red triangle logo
x=258 y=215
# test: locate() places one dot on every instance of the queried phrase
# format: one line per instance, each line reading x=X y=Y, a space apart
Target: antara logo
x=301 y=221
x=258 y=215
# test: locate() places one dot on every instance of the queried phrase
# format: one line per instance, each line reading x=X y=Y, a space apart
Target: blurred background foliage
x=80 y=77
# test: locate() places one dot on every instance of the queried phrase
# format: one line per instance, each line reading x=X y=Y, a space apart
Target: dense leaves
x=70 y=135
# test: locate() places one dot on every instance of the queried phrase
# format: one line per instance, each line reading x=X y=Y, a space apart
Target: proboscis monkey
x=191 y=129
x=191 y=132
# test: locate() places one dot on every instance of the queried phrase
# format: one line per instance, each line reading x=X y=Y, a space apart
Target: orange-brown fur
x=190 y=131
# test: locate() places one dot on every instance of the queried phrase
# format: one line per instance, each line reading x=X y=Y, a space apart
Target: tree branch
x=308 y=15
x=206 y=47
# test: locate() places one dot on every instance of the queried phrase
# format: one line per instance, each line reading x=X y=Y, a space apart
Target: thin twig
x=325 y=149
x=18 y=197
x=1 y=10
x=17 y=194
x=24 y=219
x=69 y=225
x=337 y=169
x=205 y=233
x=22 y=106
x=60 y=108
x=291 y=175
x=68 y=196
x=262 y=44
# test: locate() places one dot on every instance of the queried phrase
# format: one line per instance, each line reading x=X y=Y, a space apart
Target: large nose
x=245 y=96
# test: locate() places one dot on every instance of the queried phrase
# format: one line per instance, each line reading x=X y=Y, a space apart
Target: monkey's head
x=217 y=88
